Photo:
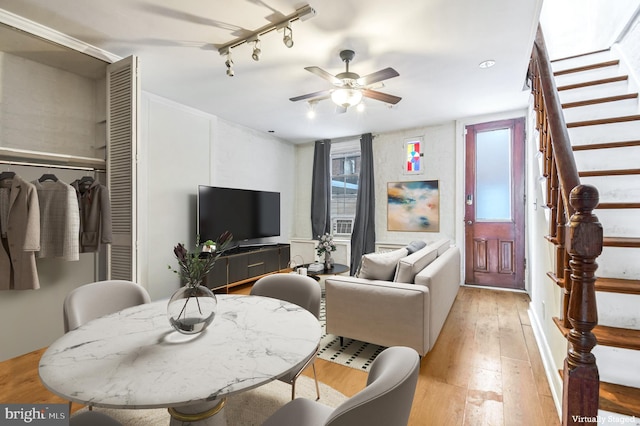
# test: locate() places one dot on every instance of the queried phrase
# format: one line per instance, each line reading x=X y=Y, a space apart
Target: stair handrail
x=577 y=234
x=563 y=154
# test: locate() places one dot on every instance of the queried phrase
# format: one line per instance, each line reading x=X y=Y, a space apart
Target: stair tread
x=621 y=242
x=600 y=100
x=608 y=285
x=618 y=206
x=605 y=64
x=609 y=120
x=612 y=172
x=593 y=83
x=606 y=145
x=581 y=55
x=618 y=285
x=616 y=337
x=620 y=399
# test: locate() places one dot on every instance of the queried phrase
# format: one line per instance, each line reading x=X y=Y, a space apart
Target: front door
x=494 y=204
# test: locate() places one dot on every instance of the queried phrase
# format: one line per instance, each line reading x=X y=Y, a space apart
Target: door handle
x=469 y=222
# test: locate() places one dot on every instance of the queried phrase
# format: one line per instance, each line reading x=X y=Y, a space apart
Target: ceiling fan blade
x=379 y=96
x=378 y=76
x=324 y=74
x=320 y=94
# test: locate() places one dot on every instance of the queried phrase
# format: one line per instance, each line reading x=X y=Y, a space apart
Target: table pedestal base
x=206 y=414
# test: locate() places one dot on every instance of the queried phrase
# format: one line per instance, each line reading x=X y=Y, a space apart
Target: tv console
x=244 y=264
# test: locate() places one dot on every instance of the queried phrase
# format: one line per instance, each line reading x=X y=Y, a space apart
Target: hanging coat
x=59 y=220
x=95 y=216
x=17 y=251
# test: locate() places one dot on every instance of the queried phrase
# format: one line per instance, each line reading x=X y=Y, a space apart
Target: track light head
x=229 y=64
x=287 y=38
x=256 y=51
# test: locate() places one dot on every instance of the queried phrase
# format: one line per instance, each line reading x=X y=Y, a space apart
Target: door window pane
x=493 y=175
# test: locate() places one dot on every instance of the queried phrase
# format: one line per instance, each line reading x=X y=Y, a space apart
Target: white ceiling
x=435 y=45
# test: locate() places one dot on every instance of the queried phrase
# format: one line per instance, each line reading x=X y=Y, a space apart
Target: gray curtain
x=363 y=235
x=321 y=189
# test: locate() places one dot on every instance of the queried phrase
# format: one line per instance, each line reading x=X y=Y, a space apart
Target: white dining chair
x=386 y=400
x=91 y=301
x=303 y=291
x=93 y=418
x=94 y=300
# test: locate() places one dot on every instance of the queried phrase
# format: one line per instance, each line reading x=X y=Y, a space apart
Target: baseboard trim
x=551 y=371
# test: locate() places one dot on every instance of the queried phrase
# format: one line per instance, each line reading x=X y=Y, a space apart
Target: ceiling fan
x=350 y=87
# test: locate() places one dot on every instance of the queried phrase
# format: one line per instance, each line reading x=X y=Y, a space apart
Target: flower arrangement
x=325 y=244
x=194 y=266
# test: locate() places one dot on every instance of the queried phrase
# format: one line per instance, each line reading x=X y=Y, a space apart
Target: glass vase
x=192 y=308
x=327 y=260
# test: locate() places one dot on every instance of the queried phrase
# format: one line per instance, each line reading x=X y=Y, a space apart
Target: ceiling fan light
x=346 y=97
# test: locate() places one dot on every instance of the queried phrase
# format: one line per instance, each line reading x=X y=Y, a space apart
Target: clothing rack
x=23 y=157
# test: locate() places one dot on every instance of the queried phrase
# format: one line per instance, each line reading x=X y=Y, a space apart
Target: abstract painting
x=413 y=206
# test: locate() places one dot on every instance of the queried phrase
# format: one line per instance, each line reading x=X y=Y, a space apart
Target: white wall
x=182 y=148
x=573 y=27
x=388 y=152
x=546 y=296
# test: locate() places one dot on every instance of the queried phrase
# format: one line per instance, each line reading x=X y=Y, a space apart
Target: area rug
x=249 y=408
x=353 y=353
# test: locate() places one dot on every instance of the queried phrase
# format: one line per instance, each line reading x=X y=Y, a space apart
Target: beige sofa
x=397 y=299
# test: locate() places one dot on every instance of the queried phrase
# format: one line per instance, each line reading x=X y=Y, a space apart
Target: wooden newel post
x=584 y=242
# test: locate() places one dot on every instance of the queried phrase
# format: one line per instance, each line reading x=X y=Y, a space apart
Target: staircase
x=601 y=109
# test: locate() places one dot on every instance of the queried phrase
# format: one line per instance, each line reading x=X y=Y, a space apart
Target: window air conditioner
x=342 y=226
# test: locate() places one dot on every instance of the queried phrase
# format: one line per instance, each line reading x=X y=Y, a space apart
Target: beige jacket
x=17 y=251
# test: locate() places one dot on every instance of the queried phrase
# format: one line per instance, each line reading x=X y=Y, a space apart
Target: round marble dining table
x=135 y=359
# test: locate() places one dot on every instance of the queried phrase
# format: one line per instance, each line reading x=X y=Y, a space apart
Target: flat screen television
x=247 y=214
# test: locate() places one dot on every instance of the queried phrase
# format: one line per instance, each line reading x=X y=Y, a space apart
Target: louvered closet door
x=123 y=93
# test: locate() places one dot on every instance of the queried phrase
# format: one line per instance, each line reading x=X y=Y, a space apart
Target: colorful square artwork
x=414 y=156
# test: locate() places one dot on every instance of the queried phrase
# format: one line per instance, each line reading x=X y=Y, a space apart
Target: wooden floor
x=485 y=369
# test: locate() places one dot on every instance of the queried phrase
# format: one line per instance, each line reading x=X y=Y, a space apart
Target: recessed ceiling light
x=487 y=64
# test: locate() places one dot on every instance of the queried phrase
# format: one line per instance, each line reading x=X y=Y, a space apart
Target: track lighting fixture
x=229 y=64
x=287 y=38
x=301 y=14
x=256 y=51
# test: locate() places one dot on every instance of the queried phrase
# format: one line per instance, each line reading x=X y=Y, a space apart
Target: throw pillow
x=414 y=246
x=380 y=266
x=409 y=267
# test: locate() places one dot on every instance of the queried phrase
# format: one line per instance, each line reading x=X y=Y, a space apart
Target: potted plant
x=325 y=247
x=192 y=308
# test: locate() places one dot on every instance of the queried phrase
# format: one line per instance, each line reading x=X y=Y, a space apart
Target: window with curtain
x=345 y=172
